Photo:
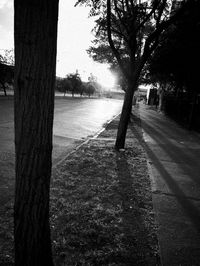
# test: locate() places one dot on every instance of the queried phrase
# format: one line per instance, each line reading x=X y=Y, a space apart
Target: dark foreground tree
x=35 y=26
x=131 y=29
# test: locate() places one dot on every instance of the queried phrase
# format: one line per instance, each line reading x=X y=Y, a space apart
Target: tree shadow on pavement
x=174 y=152
x=191 y=211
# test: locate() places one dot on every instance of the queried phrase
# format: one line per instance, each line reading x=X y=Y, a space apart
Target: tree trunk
x=125 y=116
x=35 y=60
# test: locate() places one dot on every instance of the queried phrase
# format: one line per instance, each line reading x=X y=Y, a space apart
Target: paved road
x=174 y=163
x=77 y=119
x=74 y=120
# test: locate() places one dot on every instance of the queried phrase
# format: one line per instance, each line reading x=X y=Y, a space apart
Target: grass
x=101 y=206
x=101 y=202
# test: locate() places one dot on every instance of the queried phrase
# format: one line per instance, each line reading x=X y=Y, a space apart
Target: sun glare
x=105 y=78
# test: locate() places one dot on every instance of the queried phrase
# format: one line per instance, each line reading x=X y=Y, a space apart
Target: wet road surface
x=174 y=164
x=74 y=120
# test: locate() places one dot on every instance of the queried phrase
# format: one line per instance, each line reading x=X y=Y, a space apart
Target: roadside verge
x=101 y=200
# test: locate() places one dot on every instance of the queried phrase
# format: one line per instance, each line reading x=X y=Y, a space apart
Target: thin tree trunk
x=4 y=88
x=125 y=117
x=35 y=59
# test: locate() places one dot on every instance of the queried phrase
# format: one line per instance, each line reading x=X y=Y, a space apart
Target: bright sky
x=74 y=37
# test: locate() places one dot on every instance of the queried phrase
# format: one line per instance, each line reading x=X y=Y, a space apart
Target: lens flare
x=105 y=78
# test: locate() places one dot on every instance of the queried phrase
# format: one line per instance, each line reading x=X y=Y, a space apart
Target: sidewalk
x=173 y=160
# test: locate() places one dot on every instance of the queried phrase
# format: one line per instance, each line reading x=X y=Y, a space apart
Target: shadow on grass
x=135 y=226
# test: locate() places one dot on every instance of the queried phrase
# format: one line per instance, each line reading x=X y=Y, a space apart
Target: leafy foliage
x=177 y=56
x=6 y=69
x=6 y=76
x=74 y=85
x=7 y=57
x=89 y=89
x=63 y=85
x=131 y=30
x=127 y=32
x=75 y=81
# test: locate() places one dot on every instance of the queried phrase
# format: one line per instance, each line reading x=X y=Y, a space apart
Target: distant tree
x=66 y=85
x=6 y=69
x=63 y=85
x=90 y=89
x=75 y=81
x=6 y=76
x=128 y=32
x=35 y=31
x=58 y=83
x=7 y=57
x=82 y=89
x=92 y=78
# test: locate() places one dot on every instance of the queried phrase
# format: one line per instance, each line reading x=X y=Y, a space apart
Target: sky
x=74 y=38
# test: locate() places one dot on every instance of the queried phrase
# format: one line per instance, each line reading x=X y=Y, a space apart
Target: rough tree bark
x=127 y=104
x=124 y=118
x=35 y=25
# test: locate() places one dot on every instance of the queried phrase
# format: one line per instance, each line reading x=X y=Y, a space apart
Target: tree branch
x=151 y=41
x=111 y=43
x=120 y=17
x=149 y=15
x=128 y=7
x=160 y=12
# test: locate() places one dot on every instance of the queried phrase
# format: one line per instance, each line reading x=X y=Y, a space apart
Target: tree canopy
x=7 y=57
x=73 y=84
x=126 y=34
x=126 y=31
x=177 y=56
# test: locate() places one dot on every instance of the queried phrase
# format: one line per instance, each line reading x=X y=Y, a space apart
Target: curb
x=104 y=126
x=85 y=142
x=153 y=188
x=71 y=152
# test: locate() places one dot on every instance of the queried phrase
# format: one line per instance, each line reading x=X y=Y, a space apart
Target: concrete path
x=174 y=164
